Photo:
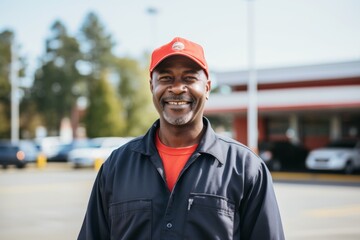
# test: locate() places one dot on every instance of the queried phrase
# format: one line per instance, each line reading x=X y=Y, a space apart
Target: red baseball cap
x=179 y=46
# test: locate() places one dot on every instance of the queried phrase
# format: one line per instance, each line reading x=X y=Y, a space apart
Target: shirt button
x=169 y=225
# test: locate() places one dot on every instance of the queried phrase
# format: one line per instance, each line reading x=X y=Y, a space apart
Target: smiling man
x=180 y=88
x=181 y=180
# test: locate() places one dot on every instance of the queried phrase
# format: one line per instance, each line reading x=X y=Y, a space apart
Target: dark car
x=18 y=154
x=283 y=155
x=64 y=149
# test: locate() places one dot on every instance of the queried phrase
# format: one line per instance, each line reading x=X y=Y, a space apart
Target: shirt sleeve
x=259 y=211
x=95 y=225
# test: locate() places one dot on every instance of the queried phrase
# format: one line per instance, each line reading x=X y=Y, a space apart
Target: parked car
x=49 y=146
x=100 y=148
x=18 y=154
x=341 y=155
x=61 y=155
x=283 y=155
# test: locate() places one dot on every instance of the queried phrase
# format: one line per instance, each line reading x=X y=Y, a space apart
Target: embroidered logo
x=178 y=46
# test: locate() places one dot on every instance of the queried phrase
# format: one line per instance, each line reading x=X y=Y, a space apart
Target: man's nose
x=178 y=87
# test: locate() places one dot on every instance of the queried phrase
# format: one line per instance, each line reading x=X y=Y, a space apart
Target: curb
x=315 y=177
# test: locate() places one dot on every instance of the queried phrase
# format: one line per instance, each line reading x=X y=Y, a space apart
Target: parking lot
x=50 y=203
x=43 y=204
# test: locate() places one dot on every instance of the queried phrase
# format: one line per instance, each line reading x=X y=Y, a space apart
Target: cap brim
x=182 y=54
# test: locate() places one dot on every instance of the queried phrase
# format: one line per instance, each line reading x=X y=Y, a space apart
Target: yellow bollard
x=97 y=164
x=41 y=161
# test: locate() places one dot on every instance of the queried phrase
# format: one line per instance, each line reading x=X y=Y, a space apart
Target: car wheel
x=20 y=165
x=349 y=168
x=76 y=166
x=276 y=165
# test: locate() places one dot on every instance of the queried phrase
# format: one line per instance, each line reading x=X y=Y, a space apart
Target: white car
x=101 y=149
x=337 y=156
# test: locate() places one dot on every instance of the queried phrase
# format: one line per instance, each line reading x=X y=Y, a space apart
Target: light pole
x=152 y=11
x=252 y=111
x=14 y=94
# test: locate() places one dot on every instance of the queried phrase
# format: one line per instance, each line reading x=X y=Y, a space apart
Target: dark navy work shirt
x=224 y=192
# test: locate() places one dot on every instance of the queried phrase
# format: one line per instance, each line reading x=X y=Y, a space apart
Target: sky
x=286 y=33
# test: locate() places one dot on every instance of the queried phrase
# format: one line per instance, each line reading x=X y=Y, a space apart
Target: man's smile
x=177 y=103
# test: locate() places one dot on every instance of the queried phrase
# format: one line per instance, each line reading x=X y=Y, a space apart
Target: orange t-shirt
x=174 y=160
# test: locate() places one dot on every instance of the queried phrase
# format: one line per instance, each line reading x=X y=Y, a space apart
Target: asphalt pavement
x=281 y=176
x=49 y=202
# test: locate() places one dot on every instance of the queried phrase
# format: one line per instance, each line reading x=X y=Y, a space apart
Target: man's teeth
x=177 y=103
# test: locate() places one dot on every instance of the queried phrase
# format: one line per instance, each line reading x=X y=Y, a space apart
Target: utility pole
x=252 y=111
x=14 y=70
x=153 y=11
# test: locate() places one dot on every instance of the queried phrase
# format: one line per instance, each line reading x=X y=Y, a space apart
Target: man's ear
x=151 y=85
x=208 y=88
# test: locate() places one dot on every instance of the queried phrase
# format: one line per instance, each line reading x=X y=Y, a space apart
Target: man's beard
x=178 y=121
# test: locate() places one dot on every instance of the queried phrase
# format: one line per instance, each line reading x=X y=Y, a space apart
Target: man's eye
x=190 y=78
x=165 y=78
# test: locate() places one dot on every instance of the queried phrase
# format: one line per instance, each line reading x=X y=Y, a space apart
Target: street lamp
x=152 y=11
x=14 y=94
x=252 y=112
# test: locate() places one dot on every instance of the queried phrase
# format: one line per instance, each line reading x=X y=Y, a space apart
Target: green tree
x=55 y=86
x=135 y=93
x=97 y=46
x=7 y=38
x=30 y=118
x=104 y=115
x=133 y=88
x=4 y=120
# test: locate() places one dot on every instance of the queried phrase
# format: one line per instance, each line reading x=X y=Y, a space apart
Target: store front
x=308 y=105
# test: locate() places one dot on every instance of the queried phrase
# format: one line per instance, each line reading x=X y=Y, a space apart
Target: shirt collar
x=209 y=143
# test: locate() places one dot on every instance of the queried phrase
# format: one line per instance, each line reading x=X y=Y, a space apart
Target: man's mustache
x=178 y=98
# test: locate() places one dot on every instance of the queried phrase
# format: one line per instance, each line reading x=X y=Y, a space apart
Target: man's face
x=180 y=88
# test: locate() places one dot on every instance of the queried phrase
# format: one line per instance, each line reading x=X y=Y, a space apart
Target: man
x=181 y=180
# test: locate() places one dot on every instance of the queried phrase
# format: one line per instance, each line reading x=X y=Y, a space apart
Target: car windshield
x=342 y=144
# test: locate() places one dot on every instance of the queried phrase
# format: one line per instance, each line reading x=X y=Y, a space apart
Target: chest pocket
x=131 y=219
x=209 y=217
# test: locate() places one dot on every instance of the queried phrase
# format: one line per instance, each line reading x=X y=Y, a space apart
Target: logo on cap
x=177 y=46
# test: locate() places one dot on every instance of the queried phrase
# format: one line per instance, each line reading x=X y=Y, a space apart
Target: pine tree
x=97 y=46
x=135 y=93
x=55 y=87
x=104 y=116
x=7 y=38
